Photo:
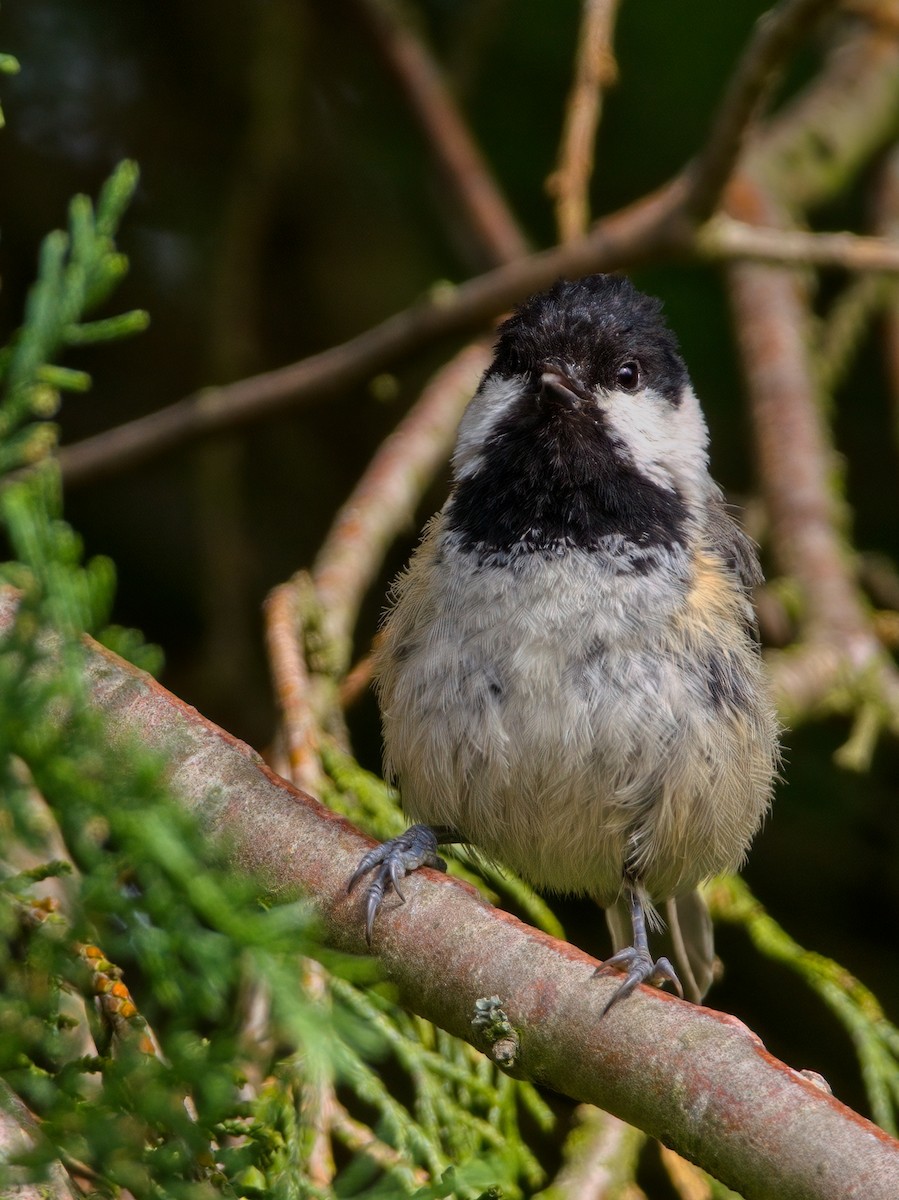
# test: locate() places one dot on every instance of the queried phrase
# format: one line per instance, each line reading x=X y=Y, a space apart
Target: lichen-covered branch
x=697 y=1079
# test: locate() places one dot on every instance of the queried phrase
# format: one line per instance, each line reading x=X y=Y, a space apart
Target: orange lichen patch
x=115 y=999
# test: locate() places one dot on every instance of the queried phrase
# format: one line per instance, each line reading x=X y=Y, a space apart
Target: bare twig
x=723 y=238
x=807 y=154
x=284 y=641
x=758 y=1125
x=384 y=499
x=318 y=1099
x=887 y=224
x=447 y=136
x=360 y=1140
x=601 y=1162
x=847 y=111
x=595 y=71
x=793 y=446
x=807 y=518
x=637 y=234
x=777 y=34
x=20 y=1130
x=356 y=681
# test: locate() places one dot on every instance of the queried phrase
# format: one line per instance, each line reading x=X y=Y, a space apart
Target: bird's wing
x=727 y=541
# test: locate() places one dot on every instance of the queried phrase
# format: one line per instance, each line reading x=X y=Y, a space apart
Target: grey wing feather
x=726 y=540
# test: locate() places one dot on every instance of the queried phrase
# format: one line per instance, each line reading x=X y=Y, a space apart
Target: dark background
x=286 y=203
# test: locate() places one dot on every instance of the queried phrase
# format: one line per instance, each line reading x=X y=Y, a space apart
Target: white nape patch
x=666 y=443
x=485 y=410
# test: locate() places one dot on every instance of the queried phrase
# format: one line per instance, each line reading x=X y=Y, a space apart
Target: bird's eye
x=629 y=376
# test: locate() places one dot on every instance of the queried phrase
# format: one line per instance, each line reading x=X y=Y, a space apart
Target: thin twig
x=795 y=450
x=795 y=456
x=777 y=34
x=359 y=1139
x=356 y=681
x=797 y=469
x=640 y=233
x=318 y=1099
x=284 y=641
x=887 y=223
x=805 y=157
x=600 y=1159
x=723 y=238
x=384 y=500
x=850 y=108
x=595 y=71
x=447 y=135
x=648 y=231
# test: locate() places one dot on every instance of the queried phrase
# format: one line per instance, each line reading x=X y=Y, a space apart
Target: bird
x=569 y=673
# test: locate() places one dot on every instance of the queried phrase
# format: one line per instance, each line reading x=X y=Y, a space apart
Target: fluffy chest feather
x=550 y=710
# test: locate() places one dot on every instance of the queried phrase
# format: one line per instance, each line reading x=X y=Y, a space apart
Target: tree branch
x=600 y=1161
x=808 y=150
x=287 y=662
x=632 y=236
x=812 y=149
x=777 y=33
x=793 y=446
x=723 y=238
x=697 y=1079
x=447 y=136
x=595 y=70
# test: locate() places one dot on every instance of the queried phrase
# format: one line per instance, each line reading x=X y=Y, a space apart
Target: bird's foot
x=392 y=860
x=640 y=968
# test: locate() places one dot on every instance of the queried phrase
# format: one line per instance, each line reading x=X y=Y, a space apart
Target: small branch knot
x=496 y=1028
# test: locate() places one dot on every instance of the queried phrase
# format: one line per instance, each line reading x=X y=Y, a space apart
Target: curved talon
x=640 y=969
x=394 y=859
x=372 y=904
x=393 y=868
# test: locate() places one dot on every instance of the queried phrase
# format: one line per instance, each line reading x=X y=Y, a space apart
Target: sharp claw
x=375 y=896
x=622 y=958
x=355 y=877
x=372 y=859
x=639 y=969
x=664 y=971
x=415 y=848
x=392 y=865
x=621 y=992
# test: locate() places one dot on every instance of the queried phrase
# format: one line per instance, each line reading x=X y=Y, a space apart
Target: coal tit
x=569 y=677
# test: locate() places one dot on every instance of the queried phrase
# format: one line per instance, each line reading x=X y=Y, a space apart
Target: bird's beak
x=558 y=385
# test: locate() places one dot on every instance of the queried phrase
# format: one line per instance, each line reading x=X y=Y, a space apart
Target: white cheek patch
x=486 y=409
x=667 y=444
